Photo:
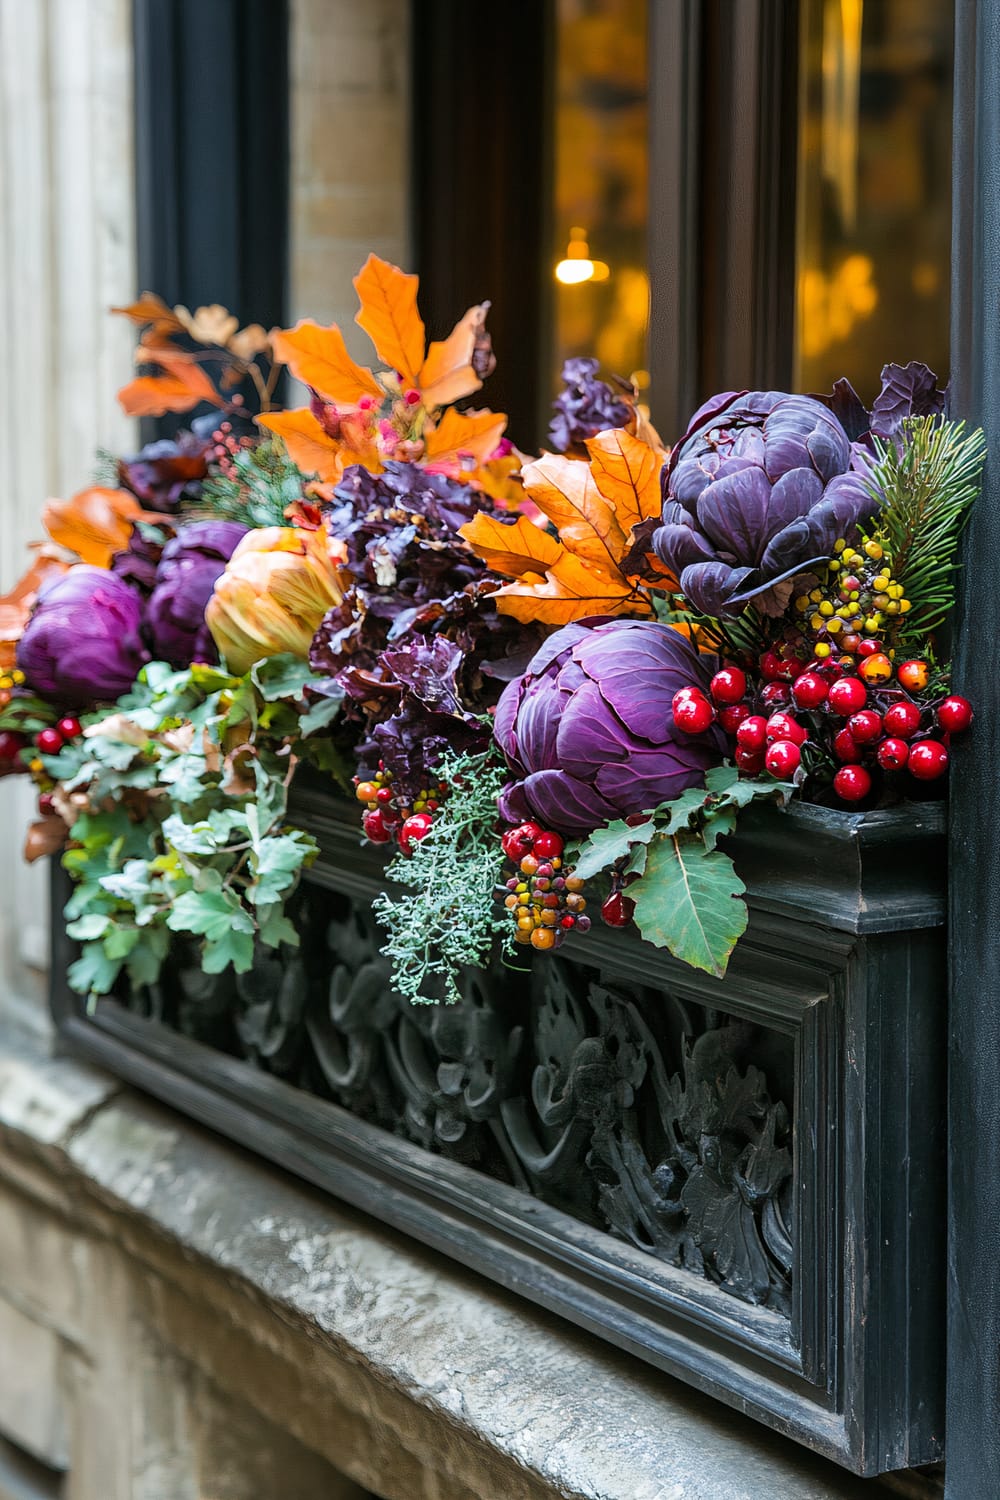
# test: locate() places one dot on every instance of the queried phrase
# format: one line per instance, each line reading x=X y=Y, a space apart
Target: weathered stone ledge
x=368 y=1353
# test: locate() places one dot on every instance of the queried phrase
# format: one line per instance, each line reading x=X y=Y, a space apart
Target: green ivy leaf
x=85 y=929
x=322 y=712
x=607 y=845
x=93 y=973
x=233 y=946
x=146 y=959
x=275 y=928
x=211 y=914
x=120 y=941
x=282 y=676
x=688 y=901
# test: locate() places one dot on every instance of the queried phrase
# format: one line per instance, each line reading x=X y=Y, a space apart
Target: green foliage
x=686 y=898
x=926 y=484
x=261 y=486
x=448 y=918
x=183 y=830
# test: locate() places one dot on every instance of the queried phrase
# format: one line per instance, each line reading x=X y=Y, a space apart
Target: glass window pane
x=600 y=169
x=874 y=209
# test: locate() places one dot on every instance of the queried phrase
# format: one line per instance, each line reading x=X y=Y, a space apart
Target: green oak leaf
x=682 y=810
x=739 y=791
x=687 y=901
x=717 y=824
x=607 y=845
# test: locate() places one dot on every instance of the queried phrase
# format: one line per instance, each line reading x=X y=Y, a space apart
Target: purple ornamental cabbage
x=589 y=730
x=759 y=489
x=585 y=407
x=83 y=643
x=185 y=578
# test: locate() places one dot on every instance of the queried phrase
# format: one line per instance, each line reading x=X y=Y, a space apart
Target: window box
x=739 y=1181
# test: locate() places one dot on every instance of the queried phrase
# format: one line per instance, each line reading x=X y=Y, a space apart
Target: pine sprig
x=926 y=484
x=260 y=486
x=448 y=918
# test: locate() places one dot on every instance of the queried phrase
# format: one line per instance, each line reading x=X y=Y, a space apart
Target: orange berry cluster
x=390 y=816
x=544 y=898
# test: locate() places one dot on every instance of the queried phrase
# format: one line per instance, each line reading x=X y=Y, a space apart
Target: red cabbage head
x=588 y=729
x=185 y=579
x=83 y=643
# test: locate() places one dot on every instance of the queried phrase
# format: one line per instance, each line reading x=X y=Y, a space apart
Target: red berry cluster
x=864 y=715
x=390 y=816
x=544 y=897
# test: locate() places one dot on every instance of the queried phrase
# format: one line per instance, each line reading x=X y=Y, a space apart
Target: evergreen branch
x=926 y=485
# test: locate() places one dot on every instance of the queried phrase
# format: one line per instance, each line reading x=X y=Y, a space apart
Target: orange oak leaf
x=627 y=473
x=308 y=445
x=151 y=309
x=571 y=590
x=447 y=373
x=155 y=395
x=390 y=318
x=95 y=523
x=513 y=549
x=319 y=358
x=564 y=489
x=458 y=433
x=16 y=607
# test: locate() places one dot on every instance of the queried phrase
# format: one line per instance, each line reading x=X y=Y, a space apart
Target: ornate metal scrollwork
x=623 y=1105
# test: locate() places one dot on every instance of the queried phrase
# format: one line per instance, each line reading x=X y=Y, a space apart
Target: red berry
x=771 y=666
x=868 y=648
x=914 y=675
x=693 y=715
x=751 y=762
x=955 y=714
x=49 y=741
x=783 y=758
x=416 y=827
x=685 y=694
x=547 y=846
x=851 y=643
x=383 y=795
x=848 y=695
x=617 y=909
x=902 y=719
x=752 y=733
x=728 y=686
x=46 y=804
x=795 y=666
x=851 y=783
x=69 y=728
x=865 y=726
x=567 y=921
x=892 y=754
x=782 y=726
x=517 y=842
x=732 y=716
x=11 y=744
x=845 y=747
x=810 y=690
x=776 y=694
x=375 y=829
x=928 y=760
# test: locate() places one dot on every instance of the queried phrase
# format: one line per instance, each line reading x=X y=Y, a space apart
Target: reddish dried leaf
x=43 y=837
x=151 y=309
x=319 y=358
x=390 y=318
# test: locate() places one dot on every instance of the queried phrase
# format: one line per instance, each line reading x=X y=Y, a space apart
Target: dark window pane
x=874 y=209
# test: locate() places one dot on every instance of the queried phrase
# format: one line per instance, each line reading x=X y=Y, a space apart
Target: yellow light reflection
x=578 y=266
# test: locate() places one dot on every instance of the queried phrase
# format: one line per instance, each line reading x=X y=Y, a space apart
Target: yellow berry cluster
x=8 y=681
x=377 y=793
x=859 y=598
x=545 y=905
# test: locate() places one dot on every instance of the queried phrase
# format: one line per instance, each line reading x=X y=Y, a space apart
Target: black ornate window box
x=740 y=1181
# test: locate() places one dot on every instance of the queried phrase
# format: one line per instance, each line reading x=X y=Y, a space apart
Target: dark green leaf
x=688 y=901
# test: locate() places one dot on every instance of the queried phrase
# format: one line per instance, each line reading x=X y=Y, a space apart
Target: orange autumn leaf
x=570 y=591
x=390 y=318
x=314 y=451
x=447 y=373
x=95 y=523
x=151 y=309
x=475 y=433
x=564 y=489
x=514 y=549
x=155 y=395
x=319 y=358
x=16 y=607
x=627 y=473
